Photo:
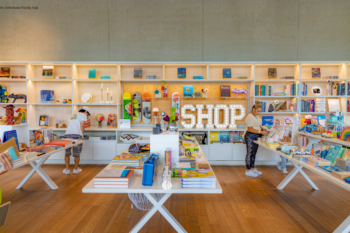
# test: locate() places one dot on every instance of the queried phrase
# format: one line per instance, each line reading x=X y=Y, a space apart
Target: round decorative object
x=316 y=90
x=162 y=114
x=172 y=128
x=86 y=97
x=129 y=138
x=197 y=94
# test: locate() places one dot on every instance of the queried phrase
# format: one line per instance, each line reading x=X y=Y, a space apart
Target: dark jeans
x=252 y=148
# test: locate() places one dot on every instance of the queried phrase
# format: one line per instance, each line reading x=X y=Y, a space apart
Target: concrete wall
x=176 y=30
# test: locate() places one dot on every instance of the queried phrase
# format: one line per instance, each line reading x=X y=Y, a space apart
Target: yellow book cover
x=259 y=90
x=214 y=136
x=198 y=174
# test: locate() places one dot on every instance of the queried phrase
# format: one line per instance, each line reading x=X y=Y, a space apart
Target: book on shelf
x=10 y=134
x=263 y=90
x=267 y=120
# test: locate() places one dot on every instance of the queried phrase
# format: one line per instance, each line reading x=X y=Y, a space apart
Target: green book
x=92 y=73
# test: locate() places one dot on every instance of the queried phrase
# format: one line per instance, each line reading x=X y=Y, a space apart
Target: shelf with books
x=276 y=71
x=276 y=81
x=50 y=104
x=312 y=113
x=38 y=91
x=322 y=70
x=95 y=71
x=278 y=113
x=9 y=70
x=142 y=71
x=185 y=71
x=231 y=72
x=276 y=97
x=49 y=70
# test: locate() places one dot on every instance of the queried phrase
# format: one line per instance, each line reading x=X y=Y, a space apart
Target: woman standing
x=75 y=130
x=253 y=132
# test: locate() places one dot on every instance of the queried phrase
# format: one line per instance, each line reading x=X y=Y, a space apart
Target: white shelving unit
x=121 y=75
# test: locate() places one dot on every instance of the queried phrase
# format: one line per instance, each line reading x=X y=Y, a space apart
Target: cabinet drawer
x=239 y=152
x=104 y=150
x=220 y=153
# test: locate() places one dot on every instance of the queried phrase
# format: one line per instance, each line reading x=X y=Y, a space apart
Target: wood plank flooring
x=246 y=205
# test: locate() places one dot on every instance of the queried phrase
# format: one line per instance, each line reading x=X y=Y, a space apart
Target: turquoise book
x=333 y=153
x=92 y=73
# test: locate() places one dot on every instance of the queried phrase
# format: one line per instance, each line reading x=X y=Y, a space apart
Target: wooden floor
x=246 y=205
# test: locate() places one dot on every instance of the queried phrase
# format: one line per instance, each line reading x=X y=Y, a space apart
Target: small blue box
x=197 y=77
x=105 y=77
x=226 y=72
x=150 y=170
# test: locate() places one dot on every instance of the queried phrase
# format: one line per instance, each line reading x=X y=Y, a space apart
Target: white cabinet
x=239 y=152
x=205 y=149
x=104 y=150
x=87 y=153
x=220 y=153
x=58 y=155
x=121 y=148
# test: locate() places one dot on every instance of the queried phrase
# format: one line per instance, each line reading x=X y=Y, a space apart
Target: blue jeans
x=284 y=162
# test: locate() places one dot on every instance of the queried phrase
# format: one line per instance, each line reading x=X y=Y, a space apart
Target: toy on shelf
x=137 y=107
x=345 y=134
x=22 y=112
x=9 y=114
x=3 y=93
x=44 y=120
x=197 y=94
x=272 y=73
x=64 y=101
x=69 y=101
x=19 y=96
x=329 y=134
x=47 y=72
x=99 y=118
x=205 y=93
x=239 y=91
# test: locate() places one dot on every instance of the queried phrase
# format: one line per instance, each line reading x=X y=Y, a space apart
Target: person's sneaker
x=285 y=171
x=77 y=171
x=65 y=171
x=279 y=166
x=257 y=172
x=251 y=173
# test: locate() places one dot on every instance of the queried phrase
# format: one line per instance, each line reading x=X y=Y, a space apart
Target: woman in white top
x=75 y=130
x=253 y=132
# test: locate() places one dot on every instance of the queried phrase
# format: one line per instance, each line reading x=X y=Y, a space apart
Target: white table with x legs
x=36 y=164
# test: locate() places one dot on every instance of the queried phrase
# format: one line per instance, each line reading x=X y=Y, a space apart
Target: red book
x=63 y=143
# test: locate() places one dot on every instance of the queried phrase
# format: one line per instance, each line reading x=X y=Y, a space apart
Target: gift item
x=135 y=148
x=151 y=76
x=272 y=73
x=92 y=73
x=225 y=91
x=111 y=120
x=150 y=170
x=205 y=92
x=99 y=118
x=198 y=77
x=9 y=114
x=47 y=96
x=181 y=72
x=137 y=72
x=168 y=158
x=240 y=91
x=316 y=72
x=47 y=72
x=188 y=91
x=18 y=96
x=129 y=138
x=226 y=72
x=5 y=72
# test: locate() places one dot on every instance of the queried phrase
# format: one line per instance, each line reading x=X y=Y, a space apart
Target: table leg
x=297 y=168
x=158 y=206
x=37 y=168
x=344 y=227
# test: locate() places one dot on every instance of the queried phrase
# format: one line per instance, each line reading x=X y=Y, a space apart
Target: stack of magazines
x=114 y=178
x=198 y=179
x=128 y=159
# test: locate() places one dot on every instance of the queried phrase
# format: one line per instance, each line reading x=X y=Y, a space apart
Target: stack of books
x=114 y=179
x=64 y=143
x=198 y=179
x=128 y=159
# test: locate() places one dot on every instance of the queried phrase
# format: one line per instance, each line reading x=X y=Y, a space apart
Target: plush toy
x=3 y=93
x=9 y=114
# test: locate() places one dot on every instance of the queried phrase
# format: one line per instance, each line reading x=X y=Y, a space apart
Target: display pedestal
x=160 y=142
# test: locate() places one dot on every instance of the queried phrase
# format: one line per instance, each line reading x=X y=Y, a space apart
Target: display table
x=299 y=165
x=36 y=164
x=137 y=187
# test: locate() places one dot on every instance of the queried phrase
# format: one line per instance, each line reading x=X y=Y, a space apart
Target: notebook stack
x=114 y=179
x=198 y=179
x=128 y=159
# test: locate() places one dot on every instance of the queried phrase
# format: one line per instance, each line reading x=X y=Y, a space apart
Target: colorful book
x=128 y=158
x=198 y=175
x=111 y=120
x=47 y=96
x=10 y=134
x=225 y=91
x=333 y=152
x=181 y=72
x=214 y=136
x=63 y=143
x=267 y=120
x=44 y=120
x=225 y=136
